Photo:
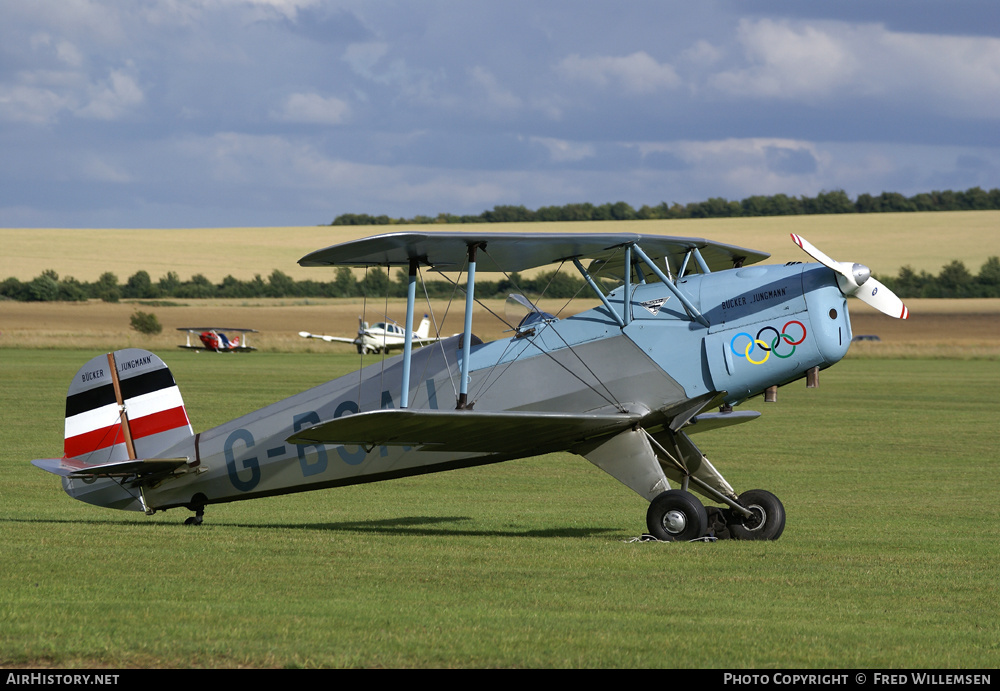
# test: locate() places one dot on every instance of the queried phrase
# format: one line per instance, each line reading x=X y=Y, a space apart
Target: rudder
x=121 y=406
x=423 y=331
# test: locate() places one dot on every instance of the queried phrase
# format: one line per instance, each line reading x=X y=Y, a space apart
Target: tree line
x=835 y=202
x=954 y=280
x=375 y=283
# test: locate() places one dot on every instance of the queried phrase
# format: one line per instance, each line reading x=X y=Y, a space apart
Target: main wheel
x=767 y=522
x=676 y=515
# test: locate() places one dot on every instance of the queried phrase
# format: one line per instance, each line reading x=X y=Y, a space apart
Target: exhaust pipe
x=812 y=378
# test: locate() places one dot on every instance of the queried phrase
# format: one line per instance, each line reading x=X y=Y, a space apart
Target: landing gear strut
x=199 y=514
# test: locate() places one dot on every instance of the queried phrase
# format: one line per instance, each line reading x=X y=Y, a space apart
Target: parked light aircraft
x=382 y=337
x=214 y=338
x=692 y=330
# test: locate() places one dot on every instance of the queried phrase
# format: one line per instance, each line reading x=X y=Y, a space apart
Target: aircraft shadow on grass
x=412 y=526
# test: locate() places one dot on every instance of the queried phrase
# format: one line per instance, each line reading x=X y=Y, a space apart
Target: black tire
x=769 y=517
x=676 y=515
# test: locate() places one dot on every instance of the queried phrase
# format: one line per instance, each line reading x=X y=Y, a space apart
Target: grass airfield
x=888 y=472
x=890 y=557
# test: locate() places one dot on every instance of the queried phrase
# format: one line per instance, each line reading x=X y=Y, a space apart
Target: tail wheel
x=676 y=515
x=767 y=522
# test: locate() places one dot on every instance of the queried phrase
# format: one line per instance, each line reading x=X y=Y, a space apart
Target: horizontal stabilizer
x=510 y=433
x=138 y=468
x=709 y=421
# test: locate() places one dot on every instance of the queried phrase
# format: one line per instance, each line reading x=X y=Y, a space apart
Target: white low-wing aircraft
x=382 y=337
x=692 y=329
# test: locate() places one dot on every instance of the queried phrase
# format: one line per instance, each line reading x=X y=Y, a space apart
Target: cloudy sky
x=200 y=113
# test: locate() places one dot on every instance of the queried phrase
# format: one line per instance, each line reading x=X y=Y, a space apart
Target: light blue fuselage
x=768 y=325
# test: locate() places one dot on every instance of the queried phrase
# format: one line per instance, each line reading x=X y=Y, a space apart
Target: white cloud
x=112 y=98
x=740 y=167
x=960 y=75
x=637 y=73
x=704 y=53
x=30 y=104
x=286 y=8
x=795 y=61
x=314 y=109
x=41 y=95
x=233 y=158
x=416 y=83
x=285 y=165
x=363 y=57
x=497 y=96
x=563 y=151
x=789 y=61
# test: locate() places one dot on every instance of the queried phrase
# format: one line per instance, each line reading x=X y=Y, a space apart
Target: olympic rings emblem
x=768 y=346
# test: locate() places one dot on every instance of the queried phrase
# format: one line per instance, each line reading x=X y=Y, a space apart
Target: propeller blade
x=856 y=279
x=882 y=299
x=849 y=274
x=811 y=250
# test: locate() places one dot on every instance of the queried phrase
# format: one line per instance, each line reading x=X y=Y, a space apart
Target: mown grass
x=890 y=558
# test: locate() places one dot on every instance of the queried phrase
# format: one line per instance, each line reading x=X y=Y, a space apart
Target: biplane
x=214 y=338
x=683 y=333
x=382 y=337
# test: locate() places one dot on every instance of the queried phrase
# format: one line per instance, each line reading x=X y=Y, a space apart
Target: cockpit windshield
x=520 y=312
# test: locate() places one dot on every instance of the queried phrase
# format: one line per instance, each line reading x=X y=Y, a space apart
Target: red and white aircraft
x=214 y=338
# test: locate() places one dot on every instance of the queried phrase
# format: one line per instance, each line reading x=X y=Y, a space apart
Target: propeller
x=856 y=279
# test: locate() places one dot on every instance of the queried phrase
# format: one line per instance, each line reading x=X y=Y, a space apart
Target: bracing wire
x=489 y=380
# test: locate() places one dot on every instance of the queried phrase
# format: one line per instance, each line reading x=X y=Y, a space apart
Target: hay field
x=946 y=328
x=885 y=242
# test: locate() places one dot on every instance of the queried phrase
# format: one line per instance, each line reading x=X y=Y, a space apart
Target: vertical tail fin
x=123 y=405
x=425 y=327
x=120 y=406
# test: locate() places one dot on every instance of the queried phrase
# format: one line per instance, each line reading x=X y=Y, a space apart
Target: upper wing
x=199 y=329
x=519 y=251
x=513 y=433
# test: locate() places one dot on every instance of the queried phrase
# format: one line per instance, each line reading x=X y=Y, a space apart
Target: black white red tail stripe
x=154 y=410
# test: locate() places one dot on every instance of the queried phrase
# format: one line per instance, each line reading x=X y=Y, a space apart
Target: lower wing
x=512 y=433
